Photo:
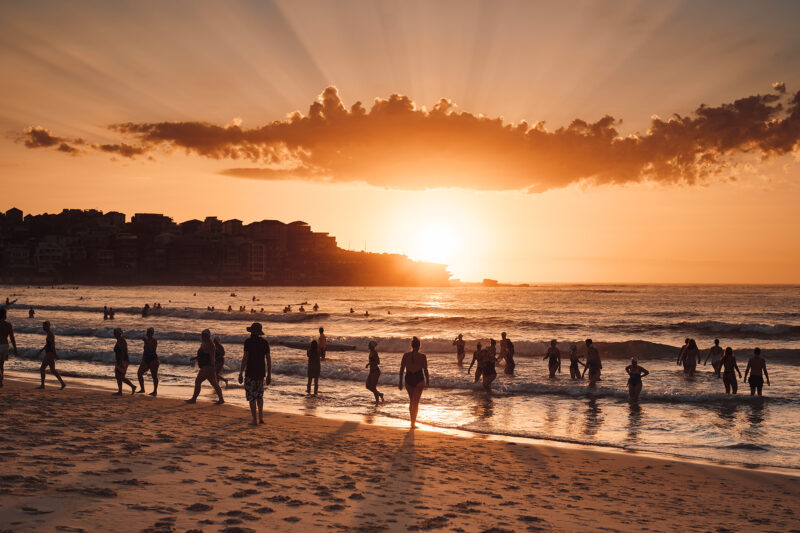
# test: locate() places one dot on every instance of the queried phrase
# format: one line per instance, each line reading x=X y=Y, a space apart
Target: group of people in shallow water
x=725 y=366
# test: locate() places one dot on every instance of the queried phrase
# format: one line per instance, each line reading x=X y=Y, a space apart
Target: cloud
x=39 y=137
x=397 y=144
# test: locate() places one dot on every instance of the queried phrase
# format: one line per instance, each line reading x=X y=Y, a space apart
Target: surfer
x=314 y=357
x=635 y=375
x=323 y=343
x=206 y=368
x=415 y=365
x=755 y=366
x=593 y=363
x=728 y=363
x=50 y=355
x=459 y=344
x=121 y=362
x=374 y=371
x=149 y=362
x=6 y=335
x=715 y=353
x=554 y=356
x=574 y=361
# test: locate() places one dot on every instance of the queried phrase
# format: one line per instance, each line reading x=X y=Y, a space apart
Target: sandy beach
x=80 y=460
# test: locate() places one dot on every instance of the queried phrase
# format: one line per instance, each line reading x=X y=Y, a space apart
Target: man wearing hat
x=256 y=366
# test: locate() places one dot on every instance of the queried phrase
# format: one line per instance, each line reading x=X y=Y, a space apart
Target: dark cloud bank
x=399 y=145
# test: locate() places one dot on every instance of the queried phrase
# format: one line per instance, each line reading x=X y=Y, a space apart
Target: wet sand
x=82 y=460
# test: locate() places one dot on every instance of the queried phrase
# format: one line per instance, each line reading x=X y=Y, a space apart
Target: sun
x=436 y=242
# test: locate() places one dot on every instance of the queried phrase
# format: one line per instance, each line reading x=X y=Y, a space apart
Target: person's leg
x=758 y=389
x=752 y=390
x=140 y=375
x=198 y=381
x=212 y=378
x=41 y=371
x=734 y=385
x=2 y=370
x=118 y=377
x=253 y=412
x=260 y=403
x=128 y=383
x=55 y=373
x=154 y=374
x=637 y=390
x=316 y=385
x=415 y=396
x=308 y=386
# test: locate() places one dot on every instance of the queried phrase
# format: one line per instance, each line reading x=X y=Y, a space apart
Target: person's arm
x=242 y=366
x=474 y=358
x=52 y=338
x=736 y=366
x=628 y=370
x=402 y=368
x=269 y=367
x=644 y=371
x=707 y=356
x=559 y=360
x=746 y=371
x=428 y=377
x=764 y=367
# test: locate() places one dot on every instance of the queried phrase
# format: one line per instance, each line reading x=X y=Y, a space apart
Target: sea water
x=677 y=415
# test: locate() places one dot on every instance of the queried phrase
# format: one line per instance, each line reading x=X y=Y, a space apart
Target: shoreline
x=131 y=463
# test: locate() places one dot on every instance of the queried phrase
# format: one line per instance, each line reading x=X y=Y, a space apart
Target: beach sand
x=81 y=460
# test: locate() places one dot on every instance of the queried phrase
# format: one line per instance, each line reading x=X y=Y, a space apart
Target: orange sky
x=77 y=69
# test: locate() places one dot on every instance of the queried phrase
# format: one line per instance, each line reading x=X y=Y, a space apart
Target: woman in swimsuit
x=635 y=375
x=476 y=358
x=149 y=362
x=313 y=367
x=6 y=334
x=755 y=366
x=730 y=369
x=488 y=369
x=50 y=355
x=219 y=360
x=415 y=365
x=374 y=371
x=121 y=363
x=593 y=363
x=207 y=370
x=691 y=356
x=460 y=345
x=574 y=361
x=554 y=356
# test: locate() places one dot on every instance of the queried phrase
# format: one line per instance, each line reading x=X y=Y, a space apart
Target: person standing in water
x=488 y=369
x=728 y=363
x=715 y=353
x=50 y=355
x=554 y=356
x=755 y=366
x=476 y=358
x=635 y=375
x=682 y=352
x=149 y=362
x=314 y=365
x=415 y=365
x=593 y=363
x=460 y=346
x=256 y=366
x=219 y=360
x=374 y=371
x=691 y=357
x=121 y=362
x=510 y=363
x=206 y=368
x=574 y=361
x=6 y=335
x=323 y=343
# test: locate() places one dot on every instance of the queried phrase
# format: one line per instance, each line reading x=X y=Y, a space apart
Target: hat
x=256 y=328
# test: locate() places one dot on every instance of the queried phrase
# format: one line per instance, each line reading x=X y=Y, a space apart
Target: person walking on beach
x=593 y=363
x=574 y=361
x=715 y=353
x=219 y=360
x=314 y=365
x=50 y=355
x=323 y=343
x=256 y=366
x=691 y=357
x=635 y=375
x=415 y=366
x=554 y=356
x=460 y=346
x=507 y=353
x=728 y=363
x=121 y=362
x=476 y=358
x=149 y=361
x=374 y=371
x=755 y=366
x=206 y=368
x=6 y=335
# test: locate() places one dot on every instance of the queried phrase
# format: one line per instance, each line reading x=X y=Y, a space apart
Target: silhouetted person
x=50 y=355
x=635 y=375
x=111 y=313
x=374 y=371
x=755 y=367
x=121 y=362
x=149 y=362
x=415 y=365
x=207 y=370
x=6 y=335
x=256 y=366
x=476 y=358
x=487 y=363
x=323 y=343
x=715 y=353
x=314 y=365
x=219 y=360
x=105 y=312
x=691 y=357
x=31 y=313
x=553 y=355
x=682 y=352
x=593 y=363
x=460 y=345
x=729 y=366
x=352 y=311
x=145 y=310
x=574 y=361
x=315 y=308
x=507 y=352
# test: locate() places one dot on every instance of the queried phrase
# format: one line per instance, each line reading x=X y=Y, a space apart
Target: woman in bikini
x=50 y=355
x=554 y=356
x=122 y=362
x=635 y=375
x=415 y=366
x=207 y=370
x=149 y=362
x=374 y=371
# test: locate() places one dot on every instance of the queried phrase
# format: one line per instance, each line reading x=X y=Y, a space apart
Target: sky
x=640 y=142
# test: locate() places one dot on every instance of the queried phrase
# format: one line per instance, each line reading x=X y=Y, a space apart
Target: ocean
x=677 y=415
